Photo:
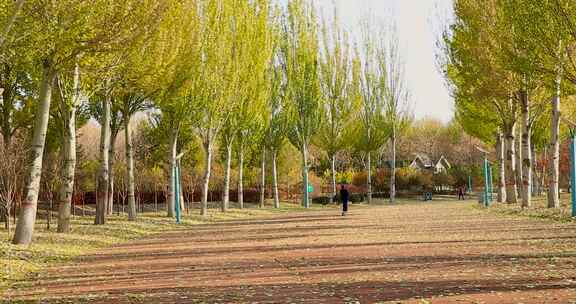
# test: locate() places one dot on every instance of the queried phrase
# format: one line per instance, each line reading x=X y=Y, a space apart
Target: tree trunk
x=241 y=176
x=180 y=191
x=333 y=169
x=519 y=168
x=305 y=196
x=226 y=191
x=263 y=178
x=393 y=169
x=112 y=173
x=535 y=178
x=27 y=216
x=206 y=179
x=275 y=180
x=69 y=150
x=104 y=173
x=7 y=220
x=130 y=169
x=511 y=190
x=544 y=171
x=369 y=177
x=554 y=168
x=526 y=153
x=171 y=201
x=501 y=154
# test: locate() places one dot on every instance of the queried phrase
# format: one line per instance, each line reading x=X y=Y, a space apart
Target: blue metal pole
x=177 y=192
x=485 y=182
x=490 y=185
x=573 y=171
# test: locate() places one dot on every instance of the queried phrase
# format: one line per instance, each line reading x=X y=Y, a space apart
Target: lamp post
x=487 y=195
x=572 y=126
x=490 y=184
x=177 y=186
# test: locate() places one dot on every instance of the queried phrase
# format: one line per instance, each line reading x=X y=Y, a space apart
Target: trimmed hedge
x=322 y=200
x=354 y=198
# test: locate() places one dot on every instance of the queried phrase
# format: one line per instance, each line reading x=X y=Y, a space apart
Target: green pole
x=177 y=191
x=490 y=185
x=485 y=181
x=469 y=184
x=573 y=170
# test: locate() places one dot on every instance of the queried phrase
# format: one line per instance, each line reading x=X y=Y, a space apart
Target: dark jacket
x=344 y=196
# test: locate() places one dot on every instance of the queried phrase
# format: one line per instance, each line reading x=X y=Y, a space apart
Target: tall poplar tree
x=372 y=129
x=546 y=31
x=300 y=59
x=339 y=103
x=397 y=105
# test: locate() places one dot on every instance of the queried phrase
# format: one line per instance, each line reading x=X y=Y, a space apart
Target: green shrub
x=443 y=179
x=357 y=198
x=321 y=200
x=424 y=181
x=344 y=177
x=353 y=198
x=404 y=176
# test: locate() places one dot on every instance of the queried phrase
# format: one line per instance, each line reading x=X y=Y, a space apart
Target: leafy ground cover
x=412 y=252
x=539 y=209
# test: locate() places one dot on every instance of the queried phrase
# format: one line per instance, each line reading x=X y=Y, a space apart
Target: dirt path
x=442 y=252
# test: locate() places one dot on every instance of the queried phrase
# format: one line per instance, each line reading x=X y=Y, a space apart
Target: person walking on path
x=461 y=194
x=344 y=195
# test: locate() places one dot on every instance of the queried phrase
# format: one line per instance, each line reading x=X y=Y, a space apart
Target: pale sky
x=418 y=24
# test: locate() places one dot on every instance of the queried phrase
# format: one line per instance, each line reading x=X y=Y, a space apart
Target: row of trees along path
x=508 y=64
x=229 y=73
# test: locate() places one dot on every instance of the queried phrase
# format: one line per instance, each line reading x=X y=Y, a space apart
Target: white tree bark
x=226 y=190
x=171 y=202
x=333 y=169
x=263 y=178
x=112 y=173
x=393 y=169
x=369 y=177
x=519 y=168
x=535 y=178
x=501 y=154
x=241 y=176
x=27 y=216
x=554 y=169
x=207 y=168
x=305 y=195
x=69 y=151
x=511 y=190
x=104 y=172
x=130 y=169
x=526 y=153
x=275 y=179
x=180 y=190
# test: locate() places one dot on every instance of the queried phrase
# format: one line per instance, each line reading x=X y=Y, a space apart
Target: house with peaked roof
x=422 y=162
x=442 y=165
